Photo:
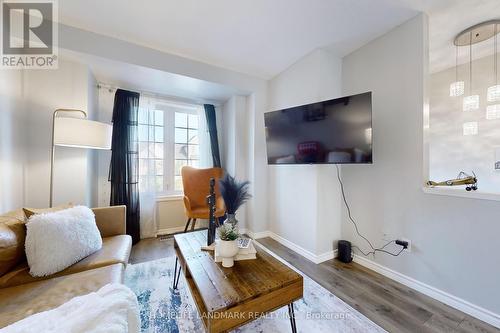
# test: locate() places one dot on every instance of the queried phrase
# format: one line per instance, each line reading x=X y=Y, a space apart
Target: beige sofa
x=22 y=295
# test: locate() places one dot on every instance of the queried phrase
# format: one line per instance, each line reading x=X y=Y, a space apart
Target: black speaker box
x=345 y=251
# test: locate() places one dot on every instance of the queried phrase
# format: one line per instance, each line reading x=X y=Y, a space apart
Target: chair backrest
x=196 y=183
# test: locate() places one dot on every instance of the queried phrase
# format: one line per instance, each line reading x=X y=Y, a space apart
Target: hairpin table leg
x=291 y=313
x=177 y=274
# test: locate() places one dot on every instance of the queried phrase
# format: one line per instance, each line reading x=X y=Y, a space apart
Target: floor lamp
x=78 y=133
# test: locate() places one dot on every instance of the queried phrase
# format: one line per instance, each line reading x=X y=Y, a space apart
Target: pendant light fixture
x=457 y=88
x=493 y=94
x=471 y=102
x=473 y=35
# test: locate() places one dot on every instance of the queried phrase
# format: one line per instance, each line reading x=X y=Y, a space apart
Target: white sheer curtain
x=147 y=193
x=206 y=160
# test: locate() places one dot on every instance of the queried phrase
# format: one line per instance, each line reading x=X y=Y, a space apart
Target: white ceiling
x=445 y=22
x=257 y=37
x=264 y=37
x=147 y=80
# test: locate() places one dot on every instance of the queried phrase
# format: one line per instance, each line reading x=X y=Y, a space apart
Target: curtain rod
x=162 y=96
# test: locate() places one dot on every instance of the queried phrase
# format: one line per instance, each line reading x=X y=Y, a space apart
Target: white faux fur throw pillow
x=59 y=239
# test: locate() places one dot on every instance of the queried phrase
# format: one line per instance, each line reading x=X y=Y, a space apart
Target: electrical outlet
x=387 y=237
x=408 y=249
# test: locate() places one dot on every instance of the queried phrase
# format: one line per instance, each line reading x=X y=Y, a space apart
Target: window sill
x=169 y=197
x=462 y=193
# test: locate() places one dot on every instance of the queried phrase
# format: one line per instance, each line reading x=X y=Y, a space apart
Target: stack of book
x=246 y=250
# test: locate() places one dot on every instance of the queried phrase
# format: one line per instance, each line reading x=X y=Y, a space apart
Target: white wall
x=449 y=150
x=92 y=154
x=105 y=103
x=315 y=77
x=12 y=140
x=46 y=91
x=453 y=238
x=304 y=203
x=235 y=143
x=256 y=208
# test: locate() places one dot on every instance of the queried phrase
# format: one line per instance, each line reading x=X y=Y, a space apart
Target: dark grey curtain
x=212 y=130
x=124 y=166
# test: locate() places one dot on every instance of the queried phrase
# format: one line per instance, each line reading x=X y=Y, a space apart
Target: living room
x=271 y=166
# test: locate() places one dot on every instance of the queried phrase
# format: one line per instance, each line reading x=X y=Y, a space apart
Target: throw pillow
x=57 y=240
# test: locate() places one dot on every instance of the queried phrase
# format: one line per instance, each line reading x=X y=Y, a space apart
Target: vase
x=231 y=218
x=226 y=250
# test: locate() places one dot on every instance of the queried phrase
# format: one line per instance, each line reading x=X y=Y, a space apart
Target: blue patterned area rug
x=163 y=309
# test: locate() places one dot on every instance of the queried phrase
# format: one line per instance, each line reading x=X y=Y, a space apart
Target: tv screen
x=335 y=131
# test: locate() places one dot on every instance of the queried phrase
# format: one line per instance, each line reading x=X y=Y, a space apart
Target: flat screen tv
x=336 y=131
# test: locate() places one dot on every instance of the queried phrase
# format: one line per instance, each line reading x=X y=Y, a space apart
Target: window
x=151 y=150
x=168 y=140
x=187 y=149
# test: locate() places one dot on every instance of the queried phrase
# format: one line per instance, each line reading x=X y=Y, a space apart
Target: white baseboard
x=327 y=256
x=257 y=235
x=453 y=301
x=169 y=231
x=315 y=258
x=442 y=296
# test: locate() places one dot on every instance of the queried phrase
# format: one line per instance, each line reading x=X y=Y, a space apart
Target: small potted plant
x=235 y=194
x=226 y=245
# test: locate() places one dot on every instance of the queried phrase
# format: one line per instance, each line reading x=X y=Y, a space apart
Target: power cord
x=374 y=249
x=381 y=249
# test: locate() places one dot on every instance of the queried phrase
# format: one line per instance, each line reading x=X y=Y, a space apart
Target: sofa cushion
x=114 y=250
x=22 y=301
x=12 y=236
x=28 y=212
x=111 y=221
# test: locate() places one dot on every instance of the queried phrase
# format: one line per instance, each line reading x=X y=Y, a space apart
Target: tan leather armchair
x=196 y=183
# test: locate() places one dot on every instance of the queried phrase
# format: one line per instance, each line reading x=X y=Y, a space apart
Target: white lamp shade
x=83 y=133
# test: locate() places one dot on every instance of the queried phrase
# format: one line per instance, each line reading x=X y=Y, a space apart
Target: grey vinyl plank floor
x=388 y=303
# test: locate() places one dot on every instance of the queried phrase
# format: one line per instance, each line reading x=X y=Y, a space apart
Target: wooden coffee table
x=227 y=298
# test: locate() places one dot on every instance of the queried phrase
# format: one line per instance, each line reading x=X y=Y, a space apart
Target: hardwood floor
x=151 y=249
x=390 y=304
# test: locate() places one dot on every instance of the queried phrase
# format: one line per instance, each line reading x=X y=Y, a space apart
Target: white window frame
x=169 y=108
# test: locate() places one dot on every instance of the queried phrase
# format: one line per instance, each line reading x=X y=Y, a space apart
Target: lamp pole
x=56 y=112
